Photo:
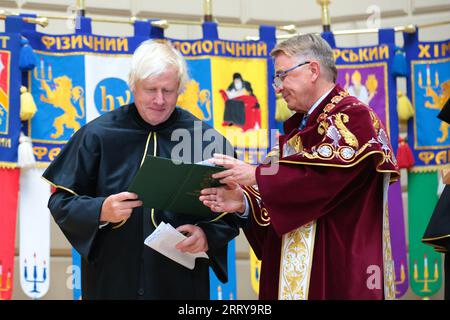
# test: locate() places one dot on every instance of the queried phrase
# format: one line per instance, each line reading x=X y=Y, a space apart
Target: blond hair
x=152 y=58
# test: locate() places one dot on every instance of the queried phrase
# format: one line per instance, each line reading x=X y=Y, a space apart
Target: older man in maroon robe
x=317 y=211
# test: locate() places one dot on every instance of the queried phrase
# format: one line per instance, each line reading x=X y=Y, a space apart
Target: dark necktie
x=303 y=123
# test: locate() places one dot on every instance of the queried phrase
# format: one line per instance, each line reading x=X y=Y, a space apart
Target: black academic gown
x=101 y=159
x=444 y=114
x=437 y=233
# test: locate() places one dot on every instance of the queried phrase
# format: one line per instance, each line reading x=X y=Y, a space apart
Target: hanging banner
x=10 y=81
x=78 y=77
x=424 y=263
x=34 y=255
x=428 y=89
x=366 y=73
x=74 y=278
x=225 y=291
x=255 y=271
x=230 y=90
x=9 y=180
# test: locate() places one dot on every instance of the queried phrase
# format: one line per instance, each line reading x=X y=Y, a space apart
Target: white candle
x=42 y=69
x=219 y=293
x=436 y=271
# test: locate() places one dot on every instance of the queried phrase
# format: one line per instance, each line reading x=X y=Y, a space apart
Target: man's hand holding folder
x=171 y=185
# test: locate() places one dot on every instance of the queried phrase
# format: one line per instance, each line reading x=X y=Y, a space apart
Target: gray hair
x=152 y=58
x=309 y=46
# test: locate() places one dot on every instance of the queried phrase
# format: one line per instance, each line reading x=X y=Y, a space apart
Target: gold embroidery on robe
x=296 y=262
x=388 y=263
x=350 y=138
x=263 y=218
x=375 y=121
x=293 y=146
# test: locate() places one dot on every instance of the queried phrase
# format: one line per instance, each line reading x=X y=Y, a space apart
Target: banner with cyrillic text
x=78 y=77
x=10 y=81
x=428 y=89
x=366 y=73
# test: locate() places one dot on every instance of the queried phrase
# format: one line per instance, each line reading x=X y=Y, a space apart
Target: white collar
x=316 y=104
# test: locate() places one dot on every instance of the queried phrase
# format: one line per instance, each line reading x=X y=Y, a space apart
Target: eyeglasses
x=277 y=82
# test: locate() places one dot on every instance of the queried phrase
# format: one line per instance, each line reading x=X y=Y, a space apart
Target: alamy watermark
x=200 y=144
x=374 y=279
x=374 y=19
x=73 y=21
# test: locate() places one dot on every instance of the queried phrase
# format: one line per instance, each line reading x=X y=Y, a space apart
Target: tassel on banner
x=27 y=110
x=405 y=157
x=399 y=67
x=27 y=105
x=27 y=58
x=25 y=158
x=405 y=109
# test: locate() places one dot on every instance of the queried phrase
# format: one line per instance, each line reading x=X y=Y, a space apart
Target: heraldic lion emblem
x=62 y=97
x=438 y=102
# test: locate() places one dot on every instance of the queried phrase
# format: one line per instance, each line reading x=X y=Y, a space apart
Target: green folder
x=171 y=185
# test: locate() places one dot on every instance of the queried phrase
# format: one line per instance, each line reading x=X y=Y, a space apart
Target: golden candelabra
x=428 y=85
x=426 y=277
x=402 y=278
x=40 y=73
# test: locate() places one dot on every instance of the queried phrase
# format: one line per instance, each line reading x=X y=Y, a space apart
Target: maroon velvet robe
x=335 y=177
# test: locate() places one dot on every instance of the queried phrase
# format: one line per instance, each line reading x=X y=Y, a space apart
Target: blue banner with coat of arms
x=10 y=81
x=428 y=89
x=77 y=78
x=230 y=88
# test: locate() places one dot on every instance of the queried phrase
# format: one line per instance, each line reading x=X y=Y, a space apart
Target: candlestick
x=25 y=270
x=425 y=267
x=219 y=293
x=436 y=271
x=416 y=273
x=42 y=69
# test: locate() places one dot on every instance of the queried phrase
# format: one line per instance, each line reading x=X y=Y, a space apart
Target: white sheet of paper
x=165 y=238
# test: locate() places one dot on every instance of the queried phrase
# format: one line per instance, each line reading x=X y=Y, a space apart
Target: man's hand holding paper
x=196 y=239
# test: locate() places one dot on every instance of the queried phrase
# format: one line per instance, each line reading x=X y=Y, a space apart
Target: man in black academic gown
x=437 y=233
x=106 y=224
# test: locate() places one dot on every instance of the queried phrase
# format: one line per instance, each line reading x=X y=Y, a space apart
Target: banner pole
x=207 y=8
x=81 y=5
x=326 y=20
